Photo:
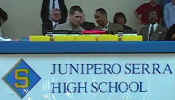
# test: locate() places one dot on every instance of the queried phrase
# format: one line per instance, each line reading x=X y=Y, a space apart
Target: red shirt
x=145 y=9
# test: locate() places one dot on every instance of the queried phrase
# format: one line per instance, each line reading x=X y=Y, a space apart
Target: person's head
x=119 y=18
x=153 y=2
x=101 y=17
x=171 y=33
x=76 y=16
x=55 y=15
x=3 y=16
x=153 y=17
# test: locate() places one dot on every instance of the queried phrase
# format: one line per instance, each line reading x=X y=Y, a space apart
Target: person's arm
x=164 y=34
x=142 y=32
x=44 y=14
x=64 y=26
x=44 y=11
x=64 y=12
x=166 y=16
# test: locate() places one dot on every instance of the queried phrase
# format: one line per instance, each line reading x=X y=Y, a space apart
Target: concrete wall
x=24 y=15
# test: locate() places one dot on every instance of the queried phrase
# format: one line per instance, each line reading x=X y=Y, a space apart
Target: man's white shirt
x=154 y=27
x=54 y=24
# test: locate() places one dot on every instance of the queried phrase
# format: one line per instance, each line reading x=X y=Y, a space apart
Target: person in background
x=162 y=3
x=120 y=18
x=55 y=17
x=75 y=19
x=103 y=23
x=171 y=33
x=143 y=11
x=3 y=19
x=153 y=31
x=47 y=9
x=169 y=14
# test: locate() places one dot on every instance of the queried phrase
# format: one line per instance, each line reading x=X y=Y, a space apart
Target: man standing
x=153 y=31
x=47 y=7
x=169 y=14
x=143 y=11
x=76 y=18
x=103 y=23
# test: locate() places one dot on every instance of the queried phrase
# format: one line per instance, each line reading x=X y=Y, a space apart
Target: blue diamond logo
x=21 y=78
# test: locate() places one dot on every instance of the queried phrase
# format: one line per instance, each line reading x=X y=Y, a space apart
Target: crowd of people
x=157 y=20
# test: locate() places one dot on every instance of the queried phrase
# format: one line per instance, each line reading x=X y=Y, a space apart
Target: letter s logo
x=22 y=78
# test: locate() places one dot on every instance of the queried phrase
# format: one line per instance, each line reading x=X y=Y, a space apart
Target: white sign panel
x=87 y=77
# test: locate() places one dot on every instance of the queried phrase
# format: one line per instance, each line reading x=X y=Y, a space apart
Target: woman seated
x=120 y=18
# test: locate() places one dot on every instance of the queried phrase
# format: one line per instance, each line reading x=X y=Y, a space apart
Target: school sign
x=87 y=76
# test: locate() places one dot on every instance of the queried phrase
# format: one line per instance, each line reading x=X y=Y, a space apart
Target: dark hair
x=170 y=33
x=75 y=8
x=102 y=11
x=3 y=16
x=119 y=14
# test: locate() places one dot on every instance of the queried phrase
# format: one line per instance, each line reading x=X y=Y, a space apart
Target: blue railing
x=26 y=47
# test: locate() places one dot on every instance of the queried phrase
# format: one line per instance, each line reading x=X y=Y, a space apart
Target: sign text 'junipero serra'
x=92 y=77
